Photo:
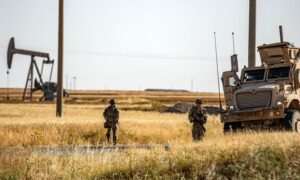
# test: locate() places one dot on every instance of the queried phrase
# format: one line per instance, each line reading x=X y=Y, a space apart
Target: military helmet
x=198 y=101
x=112 y=102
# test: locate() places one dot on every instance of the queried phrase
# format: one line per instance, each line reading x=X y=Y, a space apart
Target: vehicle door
x=230 y=82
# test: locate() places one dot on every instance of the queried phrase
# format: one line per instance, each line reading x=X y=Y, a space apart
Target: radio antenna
x=217 y=64
x=233 y=44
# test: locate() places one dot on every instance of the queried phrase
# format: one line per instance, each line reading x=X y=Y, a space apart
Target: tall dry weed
x=251 y=155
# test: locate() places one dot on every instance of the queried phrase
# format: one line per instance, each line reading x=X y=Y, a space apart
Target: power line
x=150 y=56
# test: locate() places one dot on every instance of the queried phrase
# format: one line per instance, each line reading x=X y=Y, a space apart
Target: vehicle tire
x=226 y=128
x=291 y=121
x=232 y=127
x=236 y=126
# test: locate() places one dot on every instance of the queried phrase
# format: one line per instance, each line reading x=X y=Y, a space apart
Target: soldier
x=111 y=116
x=198 y=117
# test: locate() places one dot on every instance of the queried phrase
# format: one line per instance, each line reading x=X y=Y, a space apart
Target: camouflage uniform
x=111 y=116
x=198 y=117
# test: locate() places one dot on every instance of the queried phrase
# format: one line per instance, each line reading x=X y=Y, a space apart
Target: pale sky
x=138 y=44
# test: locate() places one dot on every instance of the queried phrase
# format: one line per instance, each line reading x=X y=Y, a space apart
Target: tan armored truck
x=265 y=95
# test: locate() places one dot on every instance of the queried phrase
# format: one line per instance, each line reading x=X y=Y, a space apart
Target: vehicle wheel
x=232 y=127
x=226 y=128
x=236 y=126
x=292 y=121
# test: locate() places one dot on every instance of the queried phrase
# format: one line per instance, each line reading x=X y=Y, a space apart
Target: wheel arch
x=294 y=105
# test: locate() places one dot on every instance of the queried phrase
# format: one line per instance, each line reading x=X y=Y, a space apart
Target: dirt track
x=84 y=149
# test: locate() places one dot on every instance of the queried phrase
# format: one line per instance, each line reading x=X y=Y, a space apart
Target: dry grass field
x=125 y=98
x=243 y=155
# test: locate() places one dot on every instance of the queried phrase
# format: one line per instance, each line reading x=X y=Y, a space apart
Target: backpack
x=111 y=113
x=199 y=116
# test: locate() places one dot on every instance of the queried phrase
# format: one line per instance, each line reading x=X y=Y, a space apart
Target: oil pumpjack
x=34 y=84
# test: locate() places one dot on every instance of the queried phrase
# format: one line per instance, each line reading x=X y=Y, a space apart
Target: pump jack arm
x=12 y=50
x=30 y=53
x=33 y=65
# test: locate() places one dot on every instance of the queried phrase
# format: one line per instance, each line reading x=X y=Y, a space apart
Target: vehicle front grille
x=248 y=100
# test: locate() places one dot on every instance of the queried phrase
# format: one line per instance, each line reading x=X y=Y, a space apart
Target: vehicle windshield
x=254 y=75
x=279 y=72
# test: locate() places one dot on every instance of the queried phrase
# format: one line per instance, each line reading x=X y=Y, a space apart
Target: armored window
x=280 y=72
x=254 y=75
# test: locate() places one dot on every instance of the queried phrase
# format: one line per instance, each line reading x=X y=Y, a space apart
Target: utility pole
x=60 y=66
x=252 y=34
x=74 y=78
x=67 y=80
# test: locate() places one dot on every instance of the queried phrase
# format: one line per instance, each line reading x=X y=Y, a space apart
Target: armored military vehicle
x=265 y=95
